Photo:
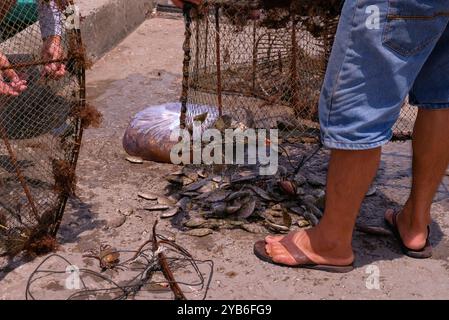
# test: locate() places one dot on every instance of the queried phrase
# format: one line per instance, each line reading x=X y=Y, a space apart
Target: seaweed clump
x=89 y=115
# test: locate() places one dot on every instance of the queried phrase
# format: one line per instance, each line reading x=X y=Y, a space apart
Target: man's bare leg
x=430 y=161
x=349 y=177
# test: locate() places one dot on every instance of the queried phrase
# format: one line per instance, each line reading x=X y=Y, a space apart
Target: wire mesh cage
x=264 y=62
x=42 y=114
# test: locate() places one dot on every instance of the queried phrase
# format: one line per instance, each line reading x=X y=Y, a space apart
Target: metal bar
x=218 y=60
x=19 y=173
x=294 y=67
x=186 y=65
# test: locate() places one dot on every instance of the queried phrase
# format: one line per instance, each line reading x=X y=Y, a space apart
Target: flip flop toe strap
x=294 y=251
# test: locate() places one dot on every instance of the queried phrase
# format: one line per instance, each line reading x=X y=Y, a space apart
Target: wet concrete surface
x=145 y=69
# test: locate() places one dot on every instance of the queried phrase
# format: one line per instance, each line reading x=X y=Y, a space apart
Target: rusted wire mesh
x=264 y=62
x=41 y=127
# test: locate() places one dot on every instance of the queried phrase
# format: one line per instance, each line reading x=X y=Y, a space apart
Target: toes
x=271 y=239
x=280 y=255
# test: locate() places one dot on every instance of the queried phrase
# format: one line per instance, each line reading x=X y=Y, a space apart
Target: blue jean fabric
x=384 y=50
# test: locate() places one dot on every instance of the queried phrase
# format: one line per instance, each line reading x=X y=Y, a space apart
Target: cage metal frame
x=76 y=63
x=209 y=21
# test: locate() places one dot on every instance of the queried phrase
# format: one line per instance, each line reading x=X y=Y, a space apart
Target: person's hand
x=53 y=50
x=180 y=3
x=14 y=86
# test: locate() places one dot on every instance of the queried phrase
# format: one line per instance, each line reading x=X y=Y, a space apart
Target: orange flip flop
x=424 y=253
x=301 y=259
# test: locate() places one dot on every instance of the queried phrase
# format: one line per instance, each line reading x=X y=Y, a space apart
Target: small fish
x=247 y=209
x=170 y=213
x=196 y=185
x=134 y=160
x=277 y=227
x=195 y=223
x=232 y=209
x=253 y=228
x=199 y=232
x=157 y=208
x=147 y=196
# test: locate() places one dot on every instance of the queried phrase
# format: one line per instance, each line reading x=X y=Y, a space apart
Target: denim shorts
x=384 y=50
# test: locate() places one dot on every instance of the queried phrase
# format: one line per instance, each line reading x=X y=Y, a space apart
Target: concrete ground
x=145 y=69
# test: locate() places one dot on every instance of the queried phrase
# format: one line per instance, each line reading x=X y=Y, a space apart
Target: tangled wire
x=157 y=255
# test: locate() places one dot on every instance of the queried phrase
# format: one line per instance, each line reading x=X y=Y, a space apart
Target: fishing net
x=263 y=62
x=40 y=125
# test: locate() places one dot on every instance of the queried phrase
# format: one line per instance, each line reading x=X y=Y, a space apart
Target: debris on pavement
x=159 y=267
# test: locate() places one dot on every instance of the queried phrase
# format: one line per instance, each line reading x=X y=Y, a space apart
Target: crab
x=108 y=257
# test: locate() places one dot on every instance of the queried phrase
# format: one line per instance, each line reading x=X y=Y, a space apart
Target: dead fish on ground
x=316 y=180
x=208 y=187
x=238 y=194
x=175 y=179
x=214 y=196
x=190 y=194
x=230 y=210
x=276 y=227
x=253 y=228
x=170 y=213
x=196 y=185
x=247 y=209
x=195 y=223
x=219 y=209
x=199 y=232
x=297 y=210
x=202 y=174
x=182 y=203
x=157 y=208
x=300 y=179
x=308 y=203
x=177 y=173
x=244 y=176
x=260 y=192
x=166 y=201
x=134 y=160
x=148 y=196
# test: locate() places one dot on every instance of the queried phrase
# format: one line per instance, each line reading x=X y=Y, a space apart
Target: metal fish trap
x=40 y=128
x=263 y=62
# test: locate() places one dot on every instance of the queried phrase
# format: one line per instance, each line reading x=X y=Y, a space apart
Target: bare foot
x=313 y=247
x=413 y=237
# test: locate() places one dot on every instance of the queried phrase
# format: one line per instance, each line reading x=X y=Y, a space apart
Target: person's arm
x=180 y=3
x=51 y=23
x=14 y=85
x=50 y=18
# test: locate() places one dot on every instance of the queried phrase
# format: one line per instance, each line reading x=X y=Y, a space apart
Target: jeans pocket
x=413 y=25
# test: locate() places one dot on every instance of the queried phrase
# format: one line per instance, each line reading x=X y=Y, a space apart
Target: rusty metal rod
x=41 y=62
x=294 y=67
x=218 y=60
x=168 y=274
x=186 y=65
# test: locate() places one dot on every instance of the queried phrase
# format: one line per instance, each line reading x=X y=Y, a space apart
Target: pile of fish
x=231 y=197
